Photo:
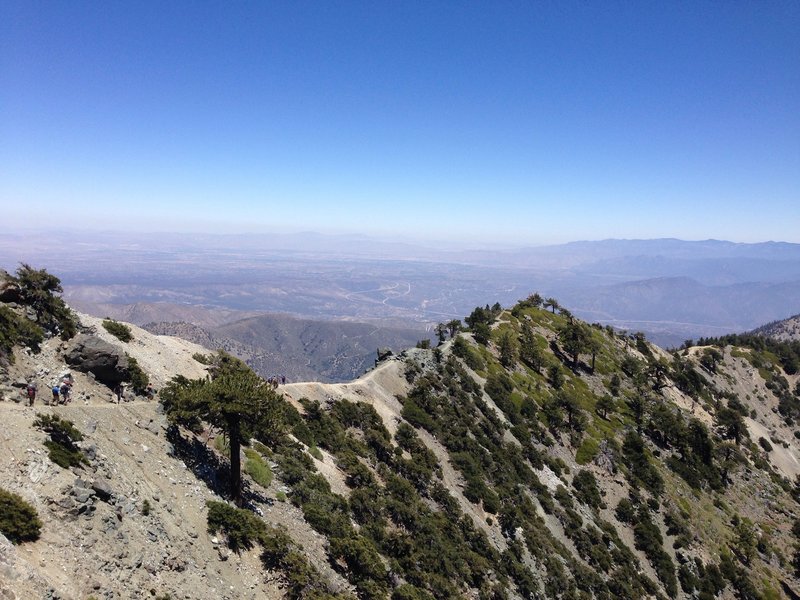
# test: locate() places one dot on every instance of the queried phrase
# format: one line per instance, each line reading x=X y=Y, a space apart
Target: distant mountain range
x=669 y=289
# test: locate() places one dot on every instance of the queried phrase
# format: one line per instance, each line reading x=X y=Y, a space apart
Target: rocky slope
x=786 y=330
x=515 y=466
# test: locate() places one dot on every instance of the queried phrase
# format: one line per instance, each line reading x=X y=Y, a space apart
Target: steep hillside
x=785 y=330
x=530 y=456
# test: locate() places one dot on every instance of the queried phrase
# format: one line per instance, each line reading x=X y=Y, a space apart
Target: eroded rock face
x=90 y=354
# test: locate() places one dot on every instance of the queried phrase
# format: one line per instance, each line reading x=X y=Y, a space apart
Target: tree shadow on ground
x=202 y=461
x=212 y=469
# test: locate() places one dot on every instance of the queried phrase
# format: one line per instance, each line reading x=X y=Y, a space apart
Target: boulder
x=102 y=488
x=90 y=354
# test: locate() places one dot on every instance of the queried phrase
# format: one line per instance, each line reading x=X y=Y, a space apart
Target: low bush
x=586 y=489
x=15 y=330
x=63 y=456
x=19 y=521
x=119 y=330
x=242 y=528
x=63 y=437
x=471 y=356
x=203 y=359
x=222 y=446
x=257 y=468
x=137 y=376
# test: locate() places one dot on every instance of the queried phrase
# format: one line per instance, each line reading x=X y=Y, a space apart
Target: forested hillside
x=529 y=455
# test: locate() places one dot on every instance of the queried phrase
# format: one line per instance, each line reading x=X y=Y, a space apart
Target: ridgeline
x=528 y=455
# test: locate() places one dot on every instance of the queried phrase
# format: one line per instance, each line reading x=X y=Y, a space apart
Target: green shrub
x=262 y=449
x=63 y=456
x=471 y=356
x=38 y=289
x=119 y=330
x=203 y=359
x=15 y=330
x=257 y=468
x=137 y=376
x=765 y=445
x=625 y=511
x=19 y=521
x=647 y=538
x=63 y=436
x=222 y=446
x=586 y=489
x=315 y=452
x=242 y=528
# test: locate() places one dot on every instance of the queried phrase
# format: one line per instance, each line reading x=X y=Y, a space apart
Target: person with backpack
x=56 y=392
x=64 y=392
x=31 y=389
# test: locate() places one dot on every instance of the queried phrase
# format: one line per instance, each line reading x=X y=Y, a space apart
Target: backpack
x=56 y=390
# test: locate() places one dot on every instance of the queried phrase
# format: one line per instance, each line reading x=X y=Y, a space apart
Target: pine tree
x=529 y=351
x=234 y=399
x=508 y=350
x=38 y=289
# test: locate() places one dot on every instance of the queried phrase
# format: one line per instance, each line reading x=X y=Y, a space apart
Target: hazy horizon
x=432 y=242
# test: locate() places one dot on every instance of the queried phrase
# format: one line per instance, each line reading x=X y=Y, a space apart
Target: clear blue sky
x=529 y=122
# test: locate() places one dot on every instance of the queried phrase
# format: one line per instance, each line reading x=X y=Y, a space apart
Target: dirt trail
x=378 y=387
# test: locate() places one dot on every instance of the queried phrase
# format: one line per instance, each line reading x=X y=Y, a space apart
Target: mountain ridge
x=531 y=455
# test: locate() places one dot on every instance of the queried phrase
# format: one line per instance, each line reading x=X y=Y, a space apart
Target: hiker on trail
x=64 y=392
x=119 y=390
x=56 y=391
x=283 y=379
x=149 y=392
x=31 y=389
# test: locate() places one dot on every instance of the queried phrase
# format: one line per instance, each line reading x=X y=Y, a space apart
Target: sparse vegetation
x=119 y=330
x=61 y=446
x=257 y=468
x=203 y=359
x=19 y=521
x=137 y=376
x=15 y=330
x=244 y=530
